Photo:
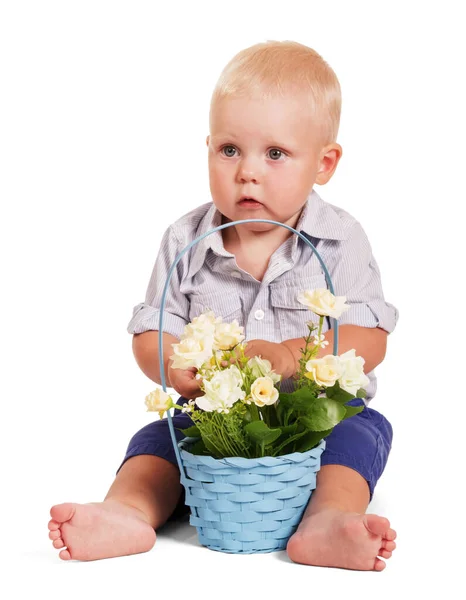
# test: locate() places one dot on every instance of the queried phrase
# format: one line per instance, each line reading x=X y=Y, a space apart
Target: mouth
x=249 y=202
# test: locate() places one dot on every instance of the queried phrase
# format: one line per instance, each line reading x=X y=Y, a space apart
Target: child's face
x=264 y=158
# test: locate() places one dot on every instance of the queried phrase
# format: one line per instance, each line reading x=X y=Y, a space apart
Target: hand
x=281 y=357
x=185 y=383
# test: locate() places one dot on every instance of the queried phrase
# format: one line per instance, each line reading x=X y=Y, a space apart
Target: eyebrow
x=223 y=136
x=270 y=144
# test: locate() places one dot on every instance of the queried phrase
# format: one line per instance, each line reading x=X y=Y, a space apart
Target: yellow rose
x=323 y=303
x=191 y=352
x=263 y=392
x=158 y=401
x=201 y=326
x=261 y=367
x=228 y=335
x=222 y=390
x=353 y=377
x=324 y=371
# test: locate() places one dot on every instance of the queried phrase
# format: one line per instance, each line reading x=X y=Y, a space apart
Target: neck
x=241 y=236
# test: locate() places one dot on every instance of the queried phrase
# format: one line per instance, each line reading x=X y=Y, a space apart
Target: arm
x=364 y=327
x=370 y=343
x=146 y=352
x=146 y=320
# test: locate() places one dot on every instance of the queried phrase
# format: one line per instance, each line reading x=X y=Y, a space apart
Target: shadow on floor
x=180 y=530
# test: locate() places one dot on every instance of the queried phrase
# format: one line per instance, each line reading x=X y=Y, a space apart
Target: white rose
x=191 y=352
x=263 y=392
x=228 y=335
x=323 y=303
x=353 y=376
x=324 y=371
x=261 y=367
x=222 y=391
x=201 y=326
x=158 y=401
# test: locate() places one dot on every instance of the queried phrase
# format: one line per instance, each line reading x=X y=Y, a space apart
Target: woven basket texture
x=248 y=505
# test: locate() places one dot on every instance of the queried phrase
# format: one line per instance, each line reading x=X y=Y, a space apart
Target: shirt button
x=236 y=274
x=259 y=314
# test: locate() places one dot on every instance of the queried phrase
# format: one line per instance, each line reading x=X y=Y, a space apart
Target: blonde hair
x=276 y=68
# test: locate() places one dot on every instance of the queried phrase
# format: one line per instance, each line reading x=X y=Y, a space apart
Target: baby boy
x=274 y=119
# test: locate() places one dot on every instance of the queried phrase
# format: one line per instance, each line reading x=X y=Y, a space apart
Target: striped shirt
x=208 y=277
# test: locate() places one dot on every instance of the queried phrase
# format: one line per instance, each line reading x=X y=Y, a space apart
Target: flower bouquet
x=253 y=451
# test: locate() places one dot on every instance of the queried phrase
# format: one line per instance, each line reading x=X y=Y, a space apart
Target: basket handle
x=165 y=290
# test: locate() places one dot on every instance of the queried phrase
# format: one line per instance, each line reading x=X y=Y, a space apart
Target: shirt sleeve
x=176 y=312
x=355 y=274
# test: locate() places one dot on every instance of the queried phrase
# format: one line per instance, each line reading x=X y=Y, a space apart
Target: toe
x=377 y=525
x=379 y=565
x=58 y=543
x=65 y=555
x=54 y=535
x=390 y=534
x=62 y=512
x=386 y=545
x=385 y=553
x=52 y=525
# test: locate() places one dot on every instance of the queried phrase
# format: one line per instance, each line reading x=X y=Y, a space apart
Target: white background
x=104 y=114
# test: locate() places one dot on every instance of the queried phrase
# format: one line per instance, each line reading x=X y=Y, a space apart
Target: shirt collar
x=318 y=219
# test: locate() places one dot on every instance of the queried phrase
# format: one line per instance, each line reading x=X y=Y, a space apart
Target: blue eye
x=229 y=151
x=275 y=154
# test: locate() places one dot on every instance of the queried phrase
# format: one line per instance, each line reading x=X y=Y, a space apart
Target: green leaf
x=289 y=429
x=299 y=400
x=273 y=421
x=192 y=431
x=283 y=448
x=279 y=408
x=361 y=393
x=247 y=417
x=323 y=414
x=259 y=433
x=311 y=439
x=287 y=432
x=198 y=448
x=352 y=410
x=336 y=393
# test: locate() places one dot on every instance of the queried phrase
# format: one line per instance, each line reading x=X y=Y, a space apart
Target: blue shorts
x=361 y=442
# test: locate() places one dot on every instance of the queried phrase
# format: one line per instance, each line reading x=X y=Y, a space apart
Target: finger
x=192 y=393
x=249 y=350
x=193 y=388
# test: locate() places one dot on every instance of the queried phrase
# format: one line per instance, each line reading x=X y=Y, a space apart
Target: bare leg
x=149 y=483
x=140 y=500
x=335 y=532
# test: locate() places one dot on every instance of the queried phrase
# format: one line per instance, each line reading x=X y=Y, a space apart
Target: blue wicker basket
x=248 y=505
x=245 y=505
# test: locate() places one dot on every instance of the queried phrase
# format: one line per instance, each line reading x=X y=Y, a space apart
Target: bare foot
x=333 y=538
x=99 y=530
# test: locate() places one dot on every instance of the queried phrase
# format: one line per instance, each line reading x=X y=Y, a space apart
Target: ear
x=207 y=140
x=329 y=159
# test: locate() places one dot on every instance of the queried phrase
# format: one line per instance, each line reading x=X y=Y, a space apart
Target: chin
x=258 y=227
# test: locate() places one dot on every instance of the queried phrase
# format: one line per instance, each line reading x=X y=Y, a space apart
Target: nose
x=248 y=172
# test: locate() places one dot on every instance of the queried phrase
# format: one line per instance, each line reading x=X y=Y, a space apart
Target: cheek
x=282 y=181
x=219 y=175
x=292 y=181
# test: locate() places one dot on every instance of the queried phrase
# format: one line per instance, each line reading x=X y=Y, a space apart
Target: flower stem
x=254 y=412
x=229 y=450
